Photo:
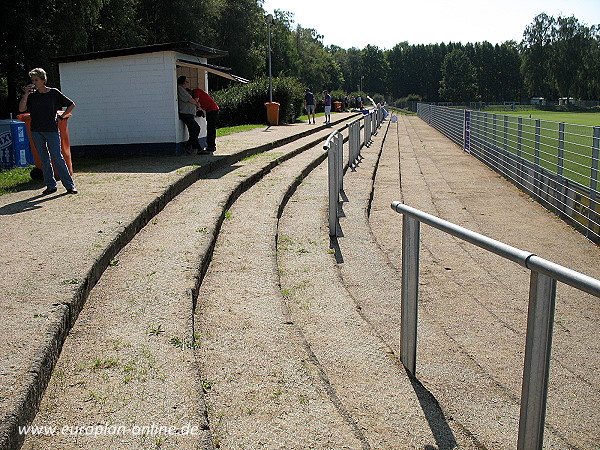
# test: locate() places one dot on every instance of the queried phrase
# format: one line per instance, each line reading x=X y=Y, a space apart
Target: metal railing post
x=540 y=319
x=519 y=147
x=335 y=172
x=351 y=146
x=339 y=145
x=540 y=315
x=410 y=291
x=333 y=193
x=505 y=160
x=560 y=164
x=594 y=214
x=536 y=157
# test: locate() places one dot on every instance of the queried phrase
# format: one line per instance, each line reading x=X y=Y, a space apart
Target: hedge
x=242 y=104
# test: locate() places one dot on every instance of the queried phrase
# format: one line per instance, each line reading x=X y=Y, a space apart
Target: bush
x=242 y=104
x=378 y=98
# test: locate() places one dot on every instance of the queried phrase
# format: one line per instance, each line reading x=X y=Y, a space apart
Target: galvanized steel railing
x=556 y=163
x=540 y=318
x=336 y=166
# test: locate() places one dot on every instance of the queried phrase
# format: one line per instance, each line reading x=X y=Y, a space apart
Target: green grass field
x=577 y=143
x=579 y=118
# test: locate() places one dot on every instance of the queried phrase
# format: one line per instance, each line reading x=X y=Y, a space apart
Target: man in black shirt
x=42 y=103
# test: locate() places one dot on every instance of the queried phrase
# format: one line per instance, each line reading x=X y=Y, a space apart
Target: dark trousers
x=211 y=129
x=193 y=128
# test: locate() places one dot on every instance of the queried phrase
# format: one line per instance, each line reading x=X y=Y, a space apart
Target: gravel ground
x=473 y=305
x=294 y=340
x=57 y=247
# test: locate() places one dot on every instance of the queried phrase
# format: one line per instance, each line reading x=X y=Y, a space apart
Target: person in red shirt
x=211 y=109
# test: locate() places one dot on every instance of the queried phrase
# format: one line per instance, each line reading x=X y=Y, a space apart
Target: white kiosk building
x=127 y=98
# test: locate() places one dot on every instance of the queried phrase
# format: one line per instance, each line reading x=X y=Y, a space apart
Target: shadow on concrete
x=335 y=246
x=442 y=433
x=138 y=164
x=29 y=204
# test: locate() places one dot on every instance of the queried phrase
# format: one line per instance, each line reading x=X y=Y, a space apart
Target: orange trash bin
x=272 y=113
x=65 y=142
x=337 y=106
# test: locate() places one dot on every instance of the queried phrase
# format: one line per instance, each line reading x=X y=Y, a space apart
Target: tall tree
x=375 y=70
x=508 y=81
x=397 y=75
x=318 y=68
x=119 y=25
x=591 y=87
x=571 y=41
x=284 y=55
x=458 y=77
x=242 y=31
x=535 y=66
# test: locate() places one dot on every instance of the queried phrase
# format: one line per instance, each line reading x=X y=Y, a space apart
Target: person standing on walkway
x=327 y=102
x=309 y=104
x=42 y=102
x=187 y=107
x=210 y=107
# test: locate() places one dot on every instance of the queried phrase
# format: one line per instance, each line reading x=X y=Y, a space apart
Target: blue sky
x=385 y=23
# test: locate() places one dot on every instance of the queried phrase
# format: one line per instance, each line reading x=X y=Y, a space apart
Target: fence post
x=540 y=318
x=561 y=149
x=536 y=158
x=352 y=147
x=495 y=148
x=505 y=159
x=467 y=131
x=560 y=164
x=485 y=137
x=375 y=122
x=593 y=215
x=519 y=146
x=410 y=290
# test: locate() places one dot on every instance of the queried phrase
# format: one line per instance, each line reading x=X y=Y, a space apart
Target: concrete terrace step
x=129 y=358
x=295 y=337
x=86 y=232
x=472 y=304
x=263 y=392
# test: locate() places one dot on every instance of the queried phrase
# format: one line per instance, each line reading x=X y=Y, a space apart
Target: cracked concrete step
x=56 y=248
x=338 y=309
x=265 y=390
x=128 y=360
x=473 y=305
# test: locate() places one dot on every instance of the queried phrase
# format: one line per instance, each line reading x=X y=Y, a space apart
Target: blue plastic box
x=14 y=145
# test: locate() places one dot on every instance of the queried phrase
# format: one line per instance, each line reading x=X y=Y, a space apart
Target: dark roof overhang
x=186 y=47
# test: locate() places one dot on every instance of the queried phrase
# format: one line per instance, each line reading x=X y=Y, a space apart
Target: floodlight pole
x=269 y=22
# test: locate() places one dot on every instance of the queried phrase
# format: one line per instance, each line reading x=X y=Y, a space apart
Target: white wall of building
x=123 y=100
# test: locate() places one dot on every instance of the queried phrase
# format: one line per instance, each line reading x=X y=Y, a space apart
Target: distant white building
x=566 y=101
x=127 y=98
x=538 y=101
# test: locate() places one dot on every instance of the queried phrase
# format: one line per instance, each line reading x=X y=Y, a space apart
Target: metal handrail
x=540 y=317
x=334 y=145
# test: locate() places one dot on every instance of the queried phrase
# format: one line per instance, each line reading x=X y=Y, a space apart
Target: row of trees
x=557 y=57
